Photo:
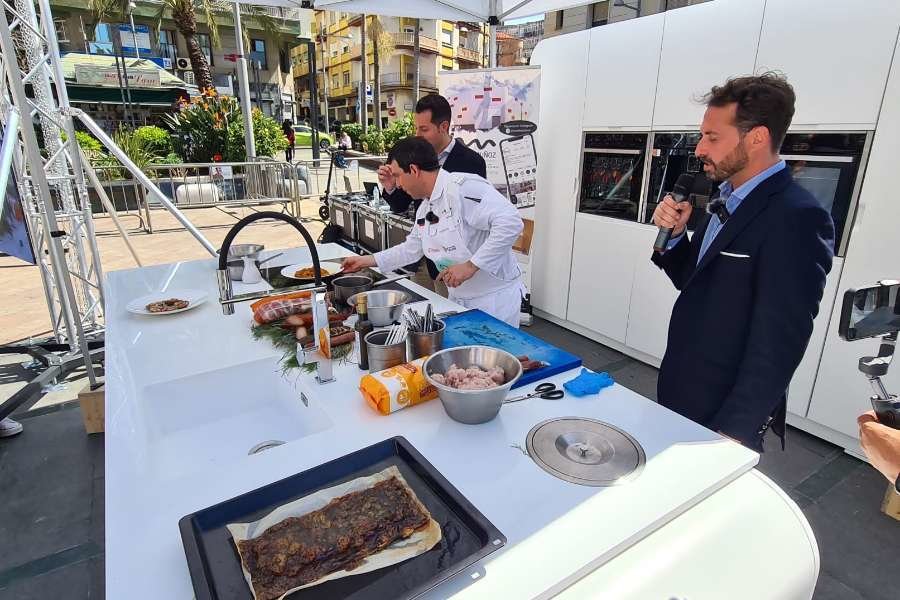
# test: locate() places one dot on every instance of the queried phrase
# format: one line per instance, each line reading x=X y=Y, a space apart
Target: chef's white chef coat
x=487 y=223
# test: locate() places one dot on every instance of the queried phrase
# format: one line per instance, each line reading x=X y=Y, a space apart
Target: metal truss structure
x=39 y=136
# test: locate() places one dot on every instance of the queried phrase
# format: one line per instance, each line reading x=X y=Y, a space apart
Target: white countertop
x=166 y=455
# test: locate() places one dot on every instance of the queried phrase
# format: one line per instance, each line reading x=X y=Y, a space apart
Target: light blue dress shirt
x=733 y=198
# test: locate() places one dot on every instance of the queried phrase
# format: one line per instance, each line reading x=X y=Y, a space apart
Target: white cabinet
x=835 y=54
x=801 y=387
x=603 y=263
x=702 y=47
x=562 y=93
x=841 y=392
x=621 y=81
x=652 y=297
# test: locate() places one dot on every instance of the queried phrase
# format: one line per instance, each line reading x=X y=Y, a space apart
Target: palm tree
x=382 y=50
x=184 y=14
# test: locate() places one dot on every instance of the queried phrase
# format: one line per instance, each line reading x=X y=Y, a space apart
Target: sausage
x=339 y=336
x=300 y=333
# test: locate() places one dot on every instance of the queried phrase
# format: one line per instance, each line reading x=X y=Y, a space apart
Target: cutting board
x=477 y=328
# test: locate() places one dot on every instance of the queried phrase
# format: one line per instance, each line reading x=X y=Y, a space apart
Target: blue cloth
x=733 y=198
x=588 y=383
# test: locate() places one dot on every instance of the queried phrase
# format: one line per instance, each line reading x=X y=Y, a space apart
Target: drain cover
x=585 y=451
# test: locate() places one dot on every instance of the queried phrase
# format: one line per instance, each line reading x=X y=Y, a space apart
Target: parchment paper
x=418 y=543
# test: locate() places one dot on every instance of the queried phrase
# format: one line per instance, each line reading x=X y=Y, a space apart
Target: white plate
x=332 y=268
x=138 y=306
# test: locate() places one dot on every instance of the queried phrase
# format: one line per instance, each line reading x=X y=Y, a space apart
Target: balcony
x=407 y=40
x=395 y=80
x=467 y=54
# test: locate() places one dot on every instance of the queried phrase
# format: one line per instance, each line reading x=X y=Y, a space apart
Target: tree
x=382 y=50
x=184 y=14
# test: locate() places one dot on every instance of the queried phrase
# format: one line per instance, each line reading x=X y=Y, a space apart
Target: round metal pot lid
x=585 y=451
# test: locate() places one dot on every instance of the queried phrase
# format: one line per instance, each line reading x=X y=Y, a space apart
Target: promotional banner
x=494 y=112
x=14 y=239
x=141 y=36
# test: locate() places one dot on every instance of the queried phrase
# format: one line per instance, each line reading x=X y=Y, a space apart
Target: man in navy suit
x=751 y=276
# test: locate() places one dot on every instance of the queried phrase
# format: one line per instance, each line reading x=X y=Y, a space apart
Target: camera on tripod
x=869 y=312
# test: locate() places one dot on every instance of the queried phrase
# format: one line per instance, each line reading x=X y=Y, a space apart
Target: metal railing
x=203 y=185
x=468 y=54
x=408 y=39
x=406 y=79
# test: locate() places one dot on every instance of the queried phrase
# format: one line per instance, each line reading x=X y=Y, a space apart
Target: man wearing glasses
x=464 y=225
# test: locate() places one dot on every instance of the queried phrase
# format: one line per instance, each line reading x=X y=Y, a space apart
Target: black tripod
x=886 y=406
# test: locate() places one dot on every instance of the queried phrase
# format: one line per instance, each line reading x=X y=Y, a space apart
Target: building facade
x=530 y=33
x=271 y=79
x=510 y=50
x=596 y=14
x=443 y=45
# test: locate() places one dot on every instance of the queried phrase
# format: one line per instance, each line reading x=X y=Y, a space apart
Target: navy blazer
x=745 y=313
x=461 y=159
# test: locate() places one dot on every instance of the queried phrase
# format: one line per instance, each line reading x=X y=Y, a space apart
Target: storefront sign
x=88 y=74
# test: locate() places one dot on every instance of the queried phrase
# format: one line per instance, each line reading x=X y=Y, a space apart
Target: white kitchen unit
x=841 y=392
x=562 y=96
x=718 y=53
x=600 y=283
x=606 y=249
x=187 y=395
x=836 y=55
x=621 y=79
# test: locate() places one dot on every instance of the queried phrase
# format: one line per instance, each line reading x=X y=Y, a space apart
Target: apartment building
x=530 y=33
x=444 y=45
x=271 y=79
x=596 y=14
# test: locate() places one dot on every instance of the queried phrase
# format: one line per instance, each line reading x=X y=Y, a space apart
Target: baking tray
x=468 y=536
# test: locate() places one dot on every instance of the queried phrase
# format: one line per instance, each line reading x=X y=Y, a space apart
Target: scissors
x=547 y=391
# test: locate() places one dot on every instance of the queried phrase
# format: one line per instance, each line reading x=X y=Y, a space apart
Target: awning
x=94 y=78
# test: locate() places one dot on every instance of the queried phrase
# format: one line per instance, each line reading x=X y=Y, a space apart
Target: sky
x=524 y=19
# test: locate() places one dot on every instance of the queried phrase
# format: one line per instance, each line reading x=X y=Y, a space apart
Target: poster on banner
x=14 y=237
x=494 y=112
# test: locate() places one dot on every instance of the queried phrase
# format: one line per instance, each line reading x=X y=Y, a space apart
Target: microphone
x=717 y=207
x=682 y=189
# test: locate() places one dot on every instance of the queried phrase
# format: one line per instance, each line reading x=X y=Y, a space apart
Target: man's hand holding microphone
x=672 y=214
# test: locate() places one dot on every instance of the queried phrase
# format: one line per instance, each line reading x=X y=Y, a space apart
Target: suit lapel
x=751 y=206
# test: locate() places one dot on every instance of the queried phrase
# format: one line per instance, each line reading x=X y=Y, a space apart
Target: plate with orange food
x=305 y=272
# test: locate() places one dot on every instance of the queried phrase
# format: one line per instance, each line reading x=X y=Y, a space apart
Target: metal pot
x=236 y=255
x=349 y=285
x=472 y=406
x=384 y=306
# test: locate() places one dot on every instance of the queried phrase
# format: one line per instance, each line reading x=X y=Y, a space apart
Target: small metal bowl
x=472 y=406
x=384 y=306
x=350 y=285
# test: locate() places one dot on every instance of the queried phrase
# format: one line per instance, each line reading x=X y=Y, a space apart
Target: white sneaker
x=9 y=428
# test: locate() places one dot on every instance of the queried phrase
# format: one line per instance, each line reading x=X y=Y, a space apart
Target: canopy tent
x=487 y=11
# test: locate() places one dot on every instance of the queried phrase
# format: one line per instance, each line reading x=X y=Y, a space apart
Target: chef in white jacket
x=464 y=225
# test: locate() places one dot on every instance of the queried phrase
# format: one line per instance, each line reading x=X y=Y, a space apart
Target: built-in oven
x=830 y=166
x=612 y=174
x=673 y=154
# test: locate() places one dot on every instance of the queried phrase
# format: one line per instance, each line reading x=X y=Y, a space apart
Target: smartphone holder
x=885 y=405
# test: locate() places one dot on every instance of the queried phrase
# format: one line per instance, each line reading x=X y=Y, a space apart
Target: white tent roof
x=456 y=10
